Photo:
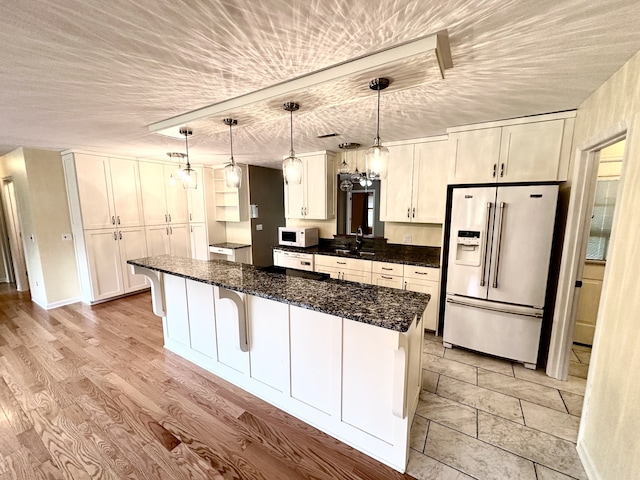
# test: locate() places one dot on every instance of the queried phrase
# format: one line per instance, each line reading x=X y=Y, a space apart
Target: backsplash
x=427 y=234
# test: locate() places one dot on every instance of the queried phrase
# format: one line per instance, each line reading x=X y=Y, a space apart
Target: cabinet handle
x=167 y=230
x=191 y=228
x=343 y=275
x=422 y=273
x=169 y=218
x=341 y=263
x=113 y=220
x=502 y=169
x=120 y=235
x=301 y=211
x=388 y=278
x=408 y=210
x=414 y=212
x=495 y=166
x=385 y=268
x=166 y=218
x=405 y=285
x=118 y=219
x=190 y=217
x=171 y=230
x=115 y=236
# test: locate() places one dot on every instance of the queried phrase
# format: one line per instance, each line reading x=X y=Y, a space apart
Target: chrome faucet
x=359 y=235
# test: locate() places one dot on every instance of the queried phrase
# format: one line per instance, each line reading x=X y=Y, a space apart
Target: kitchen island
x=341 y=356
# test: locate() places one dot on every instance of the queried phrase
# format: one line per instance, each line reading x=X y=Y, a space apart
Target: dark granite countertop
x=380 y=306
x=392 y=253
x=233 y=246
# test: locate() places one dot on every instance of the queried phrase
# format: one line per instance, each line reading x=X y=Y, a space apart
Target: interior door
x=522 y=236
x=470 y=240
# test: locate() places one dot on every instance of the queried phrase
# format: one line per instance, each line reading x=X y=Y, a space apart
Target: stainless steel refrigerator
x=499 y=250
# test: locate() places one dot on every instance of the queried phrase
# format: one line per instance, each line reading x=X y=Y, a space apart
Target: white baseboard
x=61 y=303
x=587 y=462
x=4 y=280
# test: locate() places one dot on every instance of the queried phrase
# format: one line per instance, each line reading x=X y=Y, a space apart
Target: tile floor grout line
x=454 y=468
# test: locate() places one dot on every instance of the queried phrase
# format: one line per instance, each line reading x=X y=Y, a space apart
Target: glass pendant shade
x=377 y=158
x=346 y=185
x=292 y=170
x=232 y=175
x=189 y=178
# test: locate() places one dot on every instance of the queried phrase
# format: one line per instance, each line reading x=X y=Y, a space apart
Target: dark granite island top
x=388 y=308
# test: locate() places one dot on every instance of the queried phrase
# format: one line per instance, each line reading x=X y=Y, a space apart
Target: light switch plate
x=259 y=227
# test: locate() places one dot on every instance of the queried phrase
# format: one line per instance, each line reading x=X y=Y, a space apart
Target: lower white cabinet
x=344 y=268
x=169 y=239
x=107 y=254
x=177 y=320
x=230 y=321
x=202 y=318
x=425 y=280
x=382 y=280
x=199 y=241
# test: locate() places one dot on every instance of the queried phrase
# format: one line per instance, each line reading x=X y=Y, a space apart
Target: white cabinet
x=177 y=310
x=169 y=240
x=522 y=150
x=387 y=275
x=314 y=198
x=199 y=242
x=230 y=322
x=425 y=280
x=344 y=268
x=202 y=321
x=415 y=189
x=231 y=204
x=163 y=203
x=107 y=253
x=108 y=190
x=196 y=199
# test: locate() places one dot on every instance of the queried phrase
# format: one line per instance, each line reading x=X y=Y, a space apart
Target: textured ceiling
x=93 y=74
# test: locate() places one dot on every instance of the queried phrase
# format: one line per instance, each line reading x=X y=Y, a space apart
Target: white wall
x=608 y=439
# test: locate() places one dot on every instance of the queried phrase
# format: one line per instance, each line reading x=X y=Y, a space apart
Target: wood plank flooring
x=89 y=393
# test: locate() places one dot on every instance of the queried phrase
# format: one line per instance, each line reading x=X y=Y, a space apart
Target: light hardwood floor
x=89 y=392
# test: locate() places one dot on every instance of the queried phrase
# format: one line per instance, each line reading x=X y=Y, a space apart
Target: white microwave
x=298 y=237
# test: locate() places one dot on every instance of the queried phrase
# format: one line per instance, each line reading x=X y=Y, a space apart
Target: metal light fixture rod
x=186 y=132
x=231 y=122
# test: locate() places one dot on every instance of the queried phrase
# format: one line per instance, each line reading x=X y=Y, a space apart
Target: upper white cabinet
x=196 y=199
x=162 y=202
x=314 y=198
x=108 y=190
x=522 y=150
x=415 y=189
x=231 y=204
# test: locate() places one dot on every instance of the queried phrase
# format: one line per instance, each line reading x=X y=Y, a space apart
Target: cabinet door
x=433 y=289
x=105 y=267
x=127 y=197
x=397 y=186
x=430 y=172
x=531 y=152
x=228 y=335
x=94 y=190
x=177 y=320
x=294 y=200
x=196 y=200
x=332 y=271
x=157 y=240
x=176 y=195
x=315 y=182
x=359 y=276
x=199 y=244
x=133 y=244
x=383 y=280
x=268 y=325
x=202 y=323
x=152 y=185
x=476 y=155
x=180 y=240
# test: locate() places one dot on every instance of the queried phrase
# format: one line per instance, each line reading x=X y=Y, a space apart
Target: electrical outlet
x=259 y=227
x=66 y=237
x=406 y=239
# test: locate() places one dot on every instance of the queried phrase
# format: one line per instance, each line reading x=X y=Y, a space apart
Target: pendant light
x=176 y=176
x=347 y=184
x=232 y=172
x=292 y=166
x=377 y=155
x=189 y=175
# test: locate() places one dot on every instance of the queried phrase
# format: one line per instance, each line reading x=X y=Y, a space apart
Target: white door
x=157 y=240
x=177 y=205
x=472 y=214
x=133 y=244
x=127 y=197
x=397 y=185
x=94 y=190
x=180 y=240
x=430 y=171
x=199 y=243
x=15 y=237
x=522 y=236
x=476 y=155
x=152 y=185
x=105 y=266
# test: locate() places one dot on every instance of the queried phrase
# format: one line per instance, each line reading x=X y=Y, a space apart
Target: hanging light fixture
x=346 y=185
x=377 y=155
x=292 y=166
x=189 y=176
x=232 y=172
x=176 y=176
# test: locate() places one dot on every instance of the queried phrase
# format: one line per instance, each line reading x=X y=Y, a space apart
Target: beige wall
x=609 y=431
x=44 y=215
x=428 y=234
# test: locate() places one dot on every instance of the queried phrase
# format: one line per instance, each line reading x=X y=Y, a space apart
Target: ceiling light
x=377 y=155
x=346 y=185
x=292 y=166
x=176 y=176
x=189 y=175
x=232 y=172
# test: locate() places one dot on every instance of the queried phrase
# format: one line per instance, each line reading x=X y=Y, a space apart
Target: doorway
x=14 y=233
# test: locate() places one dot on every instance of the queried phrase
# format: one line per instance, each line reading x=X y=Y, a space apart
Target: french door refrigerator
x=499 y=251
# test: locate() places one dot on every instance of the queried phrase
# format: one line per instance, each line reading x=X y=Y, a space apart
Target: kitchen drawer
x=221 y=251
x=385 y=268
x=383 y=280
x=343 y=263
x=422 y=273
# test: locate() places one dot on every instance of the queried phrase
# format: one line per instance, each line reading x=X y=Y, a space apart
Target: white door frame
x=572 y=263
x=12 y=220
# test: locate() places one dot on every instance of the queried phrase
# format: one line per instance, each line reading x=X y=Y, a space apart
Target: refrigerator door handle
x=498 y=246
x=484 y=305
x=486 y=245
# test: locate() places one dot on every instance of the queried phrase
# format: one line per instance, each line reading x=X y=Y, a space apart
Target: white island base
x=357 y=382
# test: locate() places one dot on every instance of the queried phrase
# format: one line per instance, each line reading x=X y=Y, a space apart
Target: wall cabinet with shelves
x=230 y=203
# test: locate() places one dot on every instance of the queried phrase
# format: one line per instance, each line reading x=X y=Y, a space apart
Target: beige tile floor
x=579 y=363
x=486 y=418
